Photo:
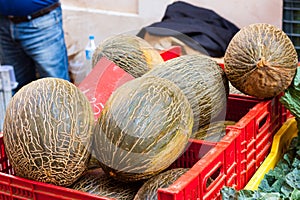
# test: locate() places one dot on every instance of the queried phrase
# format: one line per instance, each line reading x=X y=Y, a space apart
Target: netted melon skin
x=143 y=128
x=131 y=53
x=149 y=189
x=98 y=183
x=260 y=60
x=47 y=131
x=202 y=81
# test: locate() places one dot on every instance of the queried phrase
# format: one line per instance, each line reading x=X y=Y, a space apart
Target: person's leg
x=11 y=53
x=44 y=42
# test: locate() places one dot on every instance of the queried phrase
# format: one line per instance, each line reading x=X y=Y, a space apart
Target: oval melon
x=96 y=182
x=212 y=132
x=202 y=81
x=260 y=60
x=144 y=126
x=149 y=189
x=48 y=130
x=132 y=53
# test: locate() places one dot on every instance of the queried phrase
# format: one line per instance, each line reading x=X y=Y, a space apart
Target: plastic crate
x=172 y=52
x=281 y=142
x=291 y=22
x=254 y=142
x=230 y=162
x=233 y=160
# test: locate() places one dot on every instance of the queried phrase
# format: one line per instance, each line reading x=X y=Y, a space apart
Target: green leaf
x=291 y=96
x=248 y=195
x=284 y=179
x=298 y=152
x=294 y=144
x=289 y=156
x=295 y=194
x=228 y=193
x=296 y=162
x=275 y=185
x=286 y=190
x=293 y=178
x=282 y=168
x=269 y=196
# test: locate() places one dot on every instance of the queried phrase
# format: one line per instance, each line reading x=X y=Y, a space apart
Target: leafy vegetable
x=284 y=178
x=229 y=193
x=295 y=194
x=291 y=96
x=283 y=182
x=291 y=101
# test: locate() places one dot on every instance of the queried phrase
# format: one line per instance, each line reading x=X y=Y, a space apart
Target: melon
x=212 y=132
x=144 y=127
x=202 y=81
x=150 y=188
x=98 y=183
x=47 y=131
x=260 y=60
x=131 y=53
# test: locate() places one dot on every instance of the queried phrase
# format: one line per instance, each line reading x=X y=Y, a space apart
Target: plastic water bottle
x=89 y=50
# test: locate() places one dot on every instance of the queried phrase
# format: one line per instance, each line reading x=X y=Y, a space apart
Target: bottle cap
x=91 y=37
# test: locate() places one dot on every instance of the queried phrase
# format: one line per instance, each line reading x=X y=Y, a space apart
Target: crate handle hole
x=263 y=120
x=211 y=179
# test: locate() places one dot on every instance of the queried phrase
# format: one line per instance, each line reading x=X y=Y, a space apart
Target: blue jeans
x=35 y=49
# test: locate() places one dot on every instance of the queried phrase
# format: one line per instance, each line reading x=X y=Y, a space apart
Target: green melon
x=203 y=82
x=260 y=60
x=212 y=132
x=149 y=189
x=96 y=182
x=144 y=126
x=48 y=130
x=132 y=53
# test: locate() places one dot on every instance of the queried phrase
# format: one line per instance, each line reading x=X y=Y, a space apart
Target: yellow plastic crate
x=281 y=142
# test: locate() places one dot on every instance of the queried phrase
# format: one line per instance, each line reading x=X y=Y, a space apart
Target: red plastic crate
x=207 y=176
x=16 y=188
x=254 y=142
x=230 y=162
x=233 y=160
x=172 y=52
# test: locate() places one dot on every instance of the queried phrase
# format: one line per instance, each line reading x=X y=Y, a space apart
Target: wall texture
x=104 y=18
x=244 y=12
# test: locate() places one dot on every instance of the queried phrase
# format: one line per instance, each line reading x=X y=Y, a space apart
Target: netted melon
x=213 y=131
x=149 y=189
x=98 y=183
x=203 y=82
x=93 y=163
x=260 y=60
x=48 y=130
x=144 y=126
x=132 y=53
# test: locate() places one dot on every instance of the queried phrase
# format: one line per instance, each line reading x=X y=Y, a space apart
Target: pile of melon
x=50 y=133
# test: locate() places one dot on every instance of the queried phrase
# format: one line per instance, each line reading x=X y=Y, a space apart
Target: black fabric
x=202 y=25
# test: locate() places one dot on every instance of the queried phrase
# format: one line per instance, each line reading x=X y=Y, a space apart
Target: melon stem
x=262 y=62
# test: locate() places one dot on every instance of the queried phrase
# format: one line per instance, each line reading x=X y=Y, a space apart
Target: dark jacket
x=203 y=26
